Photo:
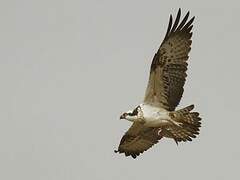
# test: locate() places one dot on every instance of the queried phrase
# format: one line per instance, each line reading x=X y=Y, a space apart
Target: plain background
x=69 y=68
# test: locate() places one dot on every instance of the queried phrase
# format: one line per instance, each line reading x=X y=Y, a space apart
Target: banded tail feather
x=190 y=124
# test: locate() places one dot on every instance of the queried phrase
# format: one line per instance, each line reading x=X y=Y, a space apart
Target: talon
x=179 y=124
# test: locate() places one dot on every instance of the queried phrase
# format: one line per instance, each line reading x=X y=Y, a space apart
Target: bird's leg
x=179 y=124
x=159 y=133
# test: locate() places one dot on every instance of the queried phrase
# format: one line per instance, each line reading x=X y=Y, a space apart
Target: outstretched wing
x=137 y=140
x=169 y=65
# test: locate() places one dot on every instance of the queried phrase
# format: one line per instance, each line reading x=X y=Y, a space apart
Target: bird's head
x=131 y=115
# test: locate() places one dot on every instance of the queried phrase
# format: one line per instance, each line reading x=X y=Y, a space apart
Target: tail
x=190 y=124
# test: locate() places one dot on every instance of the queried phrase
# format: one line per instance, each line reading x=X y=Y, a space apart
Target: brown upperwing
x=169 y=65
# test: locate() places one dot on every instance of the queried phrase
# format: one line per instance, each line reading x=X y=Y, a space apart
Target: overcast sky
x=69 y=68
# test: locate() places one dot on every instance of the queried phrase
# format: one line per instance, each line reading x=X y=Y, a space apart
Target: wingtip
x=176 y=141
x=192 y=19
x=134 y=156
x=179 y=11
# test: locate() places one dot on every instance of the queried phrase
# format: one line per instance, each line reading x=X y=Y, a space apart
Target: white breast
x=154 y=116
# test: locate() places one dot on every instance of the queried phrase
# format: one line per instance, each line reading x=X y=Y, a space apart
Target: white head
x=131 y=115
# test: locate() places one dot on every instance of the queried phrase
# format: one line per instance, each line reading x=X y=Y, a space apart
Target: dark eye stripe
x=135 y=111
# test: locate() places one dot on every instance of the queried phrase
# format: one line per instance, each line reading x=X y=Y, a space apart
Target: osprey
x=156 y=117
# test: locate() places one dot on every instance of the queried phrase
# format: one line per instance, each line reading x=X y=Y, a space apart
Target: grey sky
x=68 y=69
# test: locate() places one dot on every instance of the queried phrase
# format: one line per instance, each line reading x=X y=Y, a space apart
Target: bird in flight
x=156 y=117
